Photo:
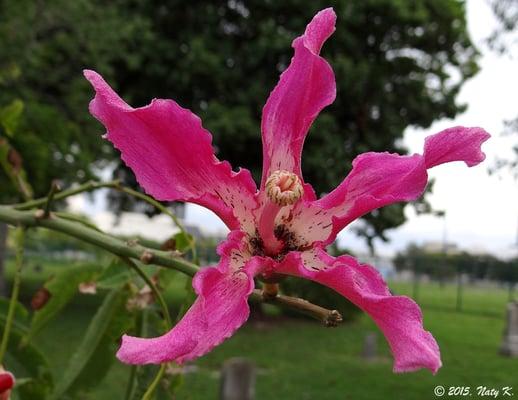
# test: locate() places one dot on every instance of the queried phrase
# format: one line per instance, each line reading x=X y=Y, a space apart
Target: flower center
x=284 y=188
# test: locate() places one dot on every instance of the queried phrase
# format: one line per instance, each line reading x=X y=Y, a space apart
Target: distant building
x=441 y=247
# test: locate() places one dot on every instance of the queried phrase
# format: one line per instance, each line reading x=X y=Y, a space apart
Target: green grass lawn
x=299 y=359
x=477 y=300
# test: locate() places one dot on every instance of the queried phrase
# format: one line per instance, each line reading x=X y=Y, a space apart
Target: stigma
x=284 y=188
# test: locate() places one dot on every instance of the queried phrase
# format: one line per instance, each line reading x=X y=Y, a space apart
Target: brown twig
x=329 y=318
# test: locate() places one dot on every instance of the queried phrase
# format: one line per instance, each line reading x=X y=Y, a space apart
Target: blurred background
x=404 y=69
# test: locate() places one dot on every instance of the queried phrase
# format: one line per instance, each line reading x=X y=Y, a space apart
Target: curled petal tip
x=319 y=29
x=135 y=350
x=328 y=13
x=125 y=353
x=92 y=76
x=455 y=144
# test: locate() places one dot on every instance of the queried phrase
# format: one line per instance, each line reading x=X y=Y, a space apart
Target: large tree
x=397 y=63
x=44 y=46
x=504 y=40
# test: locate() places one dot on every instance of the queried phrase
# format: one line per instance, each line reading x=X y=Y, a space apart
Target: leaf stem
x=99 y=239
x=153 y=202
x=54 y=187
x=152 y=387
x=141 y=332
x=86 y=187
x=154 y=289
x=90 y=186
x=19 y=238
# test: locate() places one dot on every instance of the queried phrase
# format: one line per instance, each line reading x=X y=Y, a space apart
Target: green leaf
x=145 y=376
x=115 y=275
x=21 y=315
x=183 y=241
x=29 y=365
x=103 y=356
x=10 y=116
x=62 y=287
x=93 y=358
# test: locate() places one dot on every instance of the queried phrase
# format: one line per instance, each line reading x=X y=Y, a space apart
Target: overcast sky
x=481 y=210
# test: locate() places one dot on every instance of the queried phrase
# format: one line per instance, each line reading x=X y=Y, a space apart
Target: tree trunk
x=3 y=249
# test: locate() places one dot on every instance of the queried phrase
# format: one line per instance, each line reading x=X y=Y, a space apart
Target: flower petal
x=376 y=180
x=455 y=144
x=304 y=89
x=399 y=317
x=220 y=309
x=171 y=155
x=380 y=179
x=7 y=381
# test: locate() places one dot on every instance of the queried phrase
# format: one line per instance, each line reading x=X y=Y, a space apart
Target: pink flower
x=7 y=382
x=282 y=228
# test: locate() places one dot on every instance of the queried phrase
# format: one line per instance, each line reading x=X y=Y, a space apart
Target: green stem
x=163 y=209
x=91 y=186
x=86 y=187
x=19 y=237
x=113 y=245
x=54 y=187
x=154 y=289
x=142 y=322
x=152 y=387
x=165 y=310
x=153 y=202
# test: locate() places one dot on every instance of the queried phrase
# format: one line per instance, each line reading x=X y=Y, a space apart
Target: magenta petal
x=304 y=89
x=171 y=155
x=380 y=179
x=455 y=144
x=377 y=179
x=220 y=309
x=399 y=317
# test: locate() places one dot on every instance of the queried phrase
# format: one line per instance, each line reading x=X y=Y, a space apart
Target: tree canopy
x=397 y=63
x=504 y=40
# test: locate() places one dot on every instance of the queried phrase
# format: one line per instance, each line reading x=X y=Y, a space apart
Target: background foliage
x=397 y=63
